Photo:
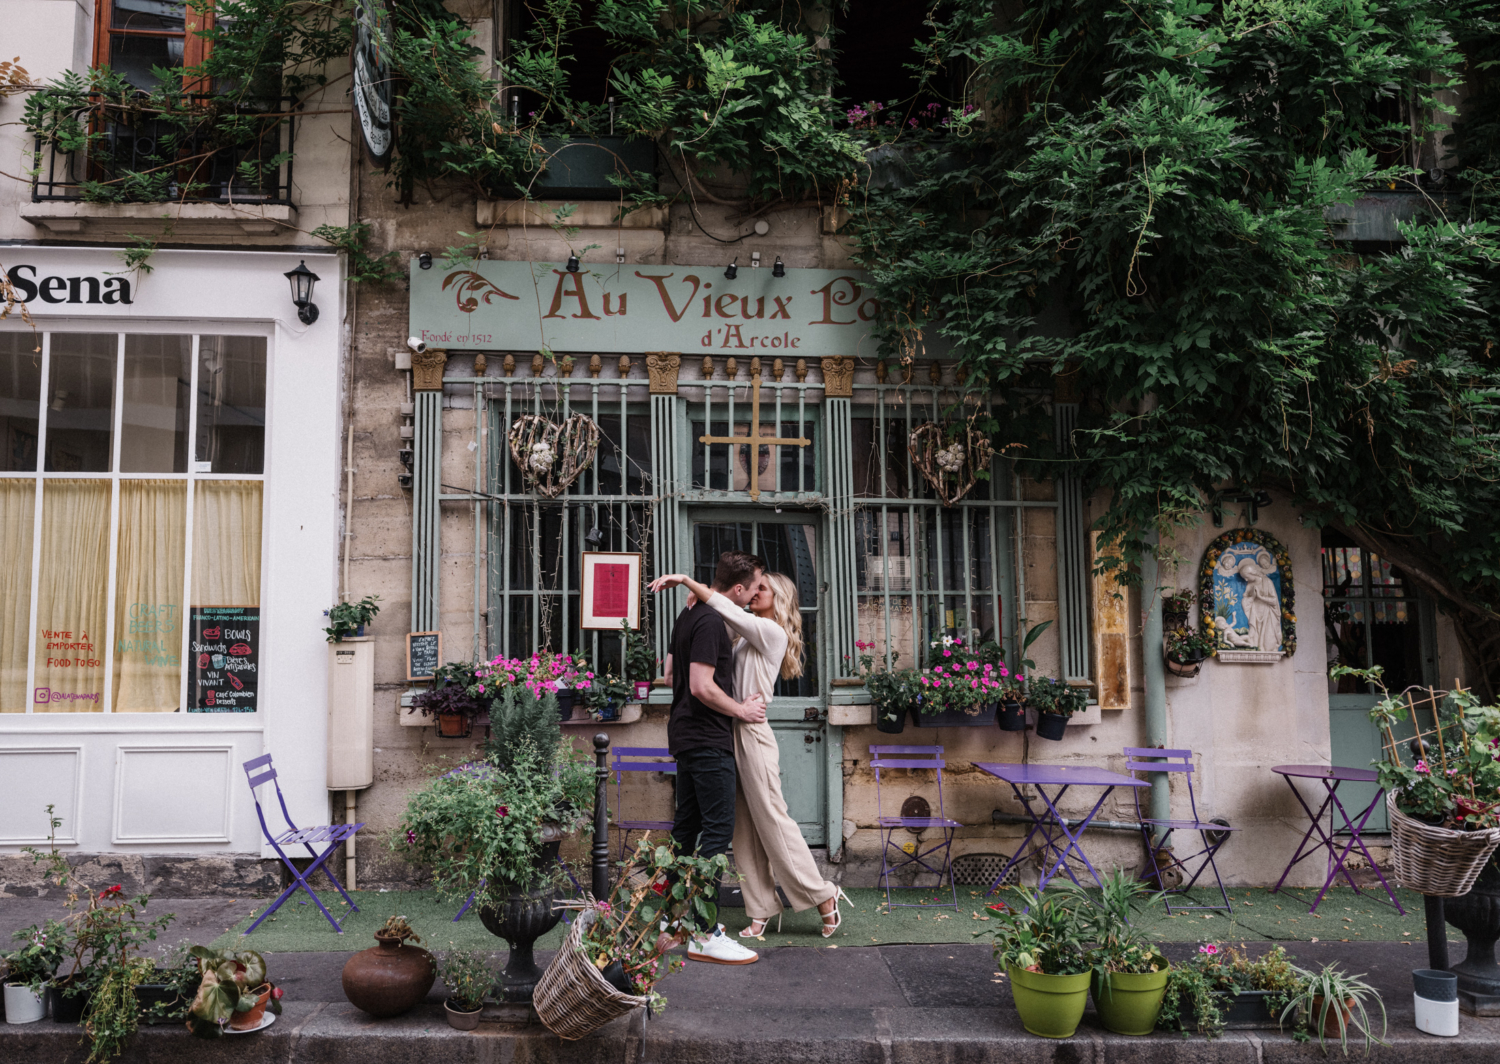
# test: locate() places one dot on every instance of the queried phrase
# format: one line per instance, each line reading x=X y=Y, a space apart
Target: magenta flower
x=411 y=837
x=1209 y=949
x=1421 y=766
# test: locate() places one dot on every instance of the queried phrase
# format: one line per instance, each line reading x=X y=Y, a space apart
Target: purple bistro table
x=1051 y=824
x=1331 y=777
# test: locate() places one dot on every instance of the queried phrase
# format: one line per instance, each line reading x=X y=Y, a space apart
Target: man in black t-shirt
x=700 y=733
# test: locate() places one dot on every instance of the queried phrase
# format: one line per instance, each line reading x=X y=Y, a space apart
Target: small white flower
x=541 y=457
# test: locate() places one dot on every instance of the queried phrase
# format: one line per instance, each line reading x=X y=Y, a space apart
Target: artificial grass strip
x=1258 y=916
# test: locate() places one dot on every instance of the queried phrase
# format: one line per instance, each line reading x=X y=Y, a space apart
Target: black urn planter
x=521 y=919
x=1477 y=915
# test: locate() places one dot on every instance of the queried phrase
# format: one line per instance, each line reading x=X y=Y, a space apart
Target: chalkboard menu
x=225 y=645
x=424 y=653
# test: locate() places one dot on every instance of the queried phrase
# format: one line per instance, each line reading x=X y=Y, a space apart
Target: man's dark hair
x=736 y=567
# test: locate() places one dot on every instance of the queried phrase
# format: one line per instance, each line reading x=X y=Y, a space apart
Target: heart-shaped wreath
x=552 y=456
x=951 y=466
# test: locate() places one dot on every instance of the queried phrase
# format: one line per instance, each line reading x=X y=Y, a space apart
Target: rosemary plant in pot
x=1039 y=941
x=491 y=828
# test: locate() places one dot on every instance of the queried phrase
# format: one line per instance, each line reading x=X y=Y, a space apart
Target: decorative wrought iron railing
x=198 y=148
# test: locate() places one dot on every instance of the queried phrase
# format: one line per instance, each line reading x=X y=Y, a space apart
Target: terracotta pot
x=453 y=726
x=1330 y=1021
x=245 y=1021
x=388 y=979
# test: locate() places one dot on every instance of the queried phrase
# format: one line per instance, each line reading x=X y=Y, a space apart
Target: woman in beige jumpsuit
x=768 y=846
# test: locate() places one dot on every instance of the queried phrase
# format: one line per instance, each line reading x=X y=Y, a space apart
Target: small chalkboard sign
x=424 y=653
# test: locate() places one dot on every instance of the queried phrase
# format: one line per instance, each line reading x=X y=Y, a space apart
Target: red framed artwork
x=611 y=590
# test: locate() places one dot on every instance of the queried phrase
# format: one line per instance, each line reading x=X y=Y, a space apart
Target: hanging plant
x=951 y=459
x=551 y=456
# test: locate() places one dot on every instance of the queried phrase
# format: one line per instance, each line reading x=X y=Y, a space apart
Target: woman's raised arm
x=762 y=633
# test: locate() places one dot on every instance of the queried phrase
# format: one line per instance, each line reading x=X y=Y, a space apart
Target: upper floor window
x=136 y=38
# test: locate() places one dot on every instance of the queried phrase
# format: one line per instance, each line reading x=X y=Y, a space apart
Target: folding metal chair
x=625 y=760
x=1212 y=834
x=933 y=759
x=258 y=770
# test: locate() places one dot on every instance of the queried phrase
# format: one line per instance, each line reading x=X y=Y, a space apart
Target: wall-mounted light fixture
x=572 y=263
x=594 y=538
x=424 y=260
x=778 y=268
x=302 y=280
x=732 y=270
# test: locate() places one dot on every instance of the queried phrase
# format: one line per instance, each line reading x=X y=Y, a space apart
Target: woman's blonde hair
x=785 y=607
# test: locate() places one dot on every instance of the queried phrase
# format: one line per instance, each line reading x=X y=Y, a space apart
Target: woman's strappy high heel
x=838 y=917
x=751 y=931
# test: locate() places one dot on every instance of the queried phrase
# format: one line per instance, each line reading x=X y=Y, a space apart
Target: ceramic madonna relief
x=1245 y=598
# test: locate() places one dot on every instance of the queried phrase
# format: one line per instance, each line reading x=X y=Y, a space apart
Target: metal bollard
x=601 y=817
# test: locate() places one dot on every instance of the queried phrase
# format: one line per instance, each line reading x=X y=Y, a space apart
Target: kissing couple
x=725 y=657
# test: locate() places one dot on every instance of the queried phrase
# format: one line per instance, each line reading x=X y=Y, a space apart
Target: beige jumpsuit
x=768 y=845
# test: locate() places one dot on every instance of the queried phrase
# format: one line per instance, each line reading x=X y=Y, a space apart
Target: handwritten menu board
x=225 y=652
x=424 y=653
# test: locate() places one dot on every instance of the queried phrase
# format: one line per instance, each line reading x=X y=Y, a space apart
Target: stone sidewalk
x=921 y=1004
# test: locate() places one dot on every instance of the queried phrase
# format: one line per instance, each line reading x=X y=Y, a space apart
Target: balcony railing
x=193 y=148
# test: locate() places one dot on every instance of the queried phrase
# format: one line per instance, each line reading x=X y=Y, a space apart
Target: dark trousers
x=705 y=805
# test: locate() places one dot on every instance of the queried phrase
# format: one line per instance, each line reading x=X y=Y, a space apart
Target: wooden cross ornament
x=754 y=440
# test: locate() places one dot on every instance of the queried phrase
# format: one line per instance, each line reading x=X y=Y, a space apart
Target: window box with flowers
x=961 y=689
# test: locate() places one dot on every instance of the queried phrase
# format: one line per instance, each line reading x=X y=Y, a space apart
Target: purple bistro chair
x=932 y=758
x=1212 y=834
x=625 y=760
x=258 y=770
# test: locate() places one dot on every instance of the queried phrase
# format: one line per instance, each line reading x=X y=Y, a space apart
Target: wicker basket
x=1437 y=861
x=572 y=998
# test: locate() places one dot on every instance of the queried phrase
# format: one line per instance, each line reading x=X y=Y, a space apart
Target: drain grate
x=980 y=869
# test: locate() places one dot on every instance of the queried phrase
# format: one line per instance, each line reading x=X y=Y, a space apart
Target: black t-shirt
x=700 y=635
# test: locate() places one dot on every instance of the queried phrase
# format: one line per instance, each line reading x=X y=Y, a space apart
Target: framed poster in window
x=611 y=590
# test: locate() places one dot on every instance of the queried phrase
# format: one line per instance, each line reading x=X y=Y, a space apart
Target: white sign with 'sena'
x=29 y=285
x=493 y=305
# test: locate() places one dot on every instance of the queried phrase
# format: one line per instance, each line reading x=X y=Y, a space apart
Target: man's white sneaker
x=719 y=948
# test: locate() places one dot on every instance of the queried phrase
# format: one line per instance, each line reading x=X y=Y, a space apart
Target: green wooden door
x=792 y=544
x=1372 y=617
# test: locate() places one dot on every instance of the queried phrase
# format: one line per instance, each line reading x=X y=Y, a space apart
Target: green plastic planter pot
x=1050 y=1005
x=1132 y=1002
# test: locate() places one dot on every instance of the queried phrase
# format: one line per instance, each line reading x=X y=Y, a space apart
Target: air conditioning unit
x=887 y=573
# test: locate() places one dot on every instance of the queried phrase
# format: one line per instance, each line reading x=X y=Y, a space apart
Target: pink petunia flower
x=1421 y=766
x=1210 y=949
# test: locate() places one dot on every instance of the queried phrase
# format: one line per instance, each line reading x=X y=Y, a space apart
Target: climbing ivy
x=1146 y=211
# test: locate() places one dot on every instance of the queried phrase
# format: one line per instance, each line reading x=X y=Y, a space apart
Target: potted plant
x=616 y=952
x=640 y=662
x=349 y=618
x=893 y=691
x=1223 y=988
x=1054 y=702
x=170 y=986
x=1130 y=973
x=469 y=979
x=390 y=977
x=1011 y=716
x=1186 y=648
x=604 y=695
x=491 y=828
x=1440 y=788
x=958 y=687
x=30 y=968
x=1176 y=604
x=1332 y=1001
x=544 y=675
x=1039 y=941
x=458 y=696
x=233 y=993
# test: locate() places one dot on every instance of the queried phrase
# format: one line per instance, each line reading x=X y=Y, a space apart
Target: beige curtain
x=149 y=611
x=17 y=522
x=72 y=596
x=226 y=543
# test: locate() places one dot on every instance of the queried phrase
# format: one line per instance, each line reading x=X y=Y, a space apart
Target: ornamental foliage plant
x=1117 y=946
x=346 y=618
x=469 y=978
x=480 y=827
x=1044 y=932
x=1047 y=695
x=1146 y=209
x=893 y=691
x=232 y=982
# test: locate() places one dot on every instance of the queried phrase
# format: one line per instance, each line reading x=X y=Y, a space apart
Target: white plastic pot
x=21 y=1005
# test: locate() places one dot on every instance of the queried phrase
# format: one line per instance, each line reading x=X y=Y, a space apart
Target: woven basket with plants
x=615 y=951
x=1442 y=783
